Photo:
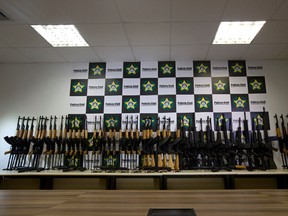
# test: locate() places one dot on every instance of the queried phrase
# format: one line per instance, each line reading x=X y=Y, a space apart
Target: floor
x=120 y=203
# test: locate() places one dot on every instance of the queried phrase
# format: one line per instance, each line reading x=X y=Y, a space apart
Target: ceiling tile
x=90 y=11
x=245 y=10
x=148 y=33
x=61 y=11
x=226 y=52
x=10 y=55
x=193 y=33
x=42 y=54
x=189 y=52
x=114 y=53
x=78 y=54
x=195 y=10
x=282 y=12
x=104 y=34
x=3 y=44
x=21 y=36
x=261 y=51
x=283 y=54
x=151 y=53
x=144 y=11
x=273 y=32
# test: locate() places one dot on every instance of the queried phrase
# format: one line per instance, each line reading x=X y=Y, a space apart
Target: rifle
x=254 y=134
x=285 y=136
x=212 y=135
x=280 y=140
x=231 y=133
x=224 y=129
x=268 y=145
x=246 y=130
x=18 y=127
x=239 y=134
x=201 y=135
x=218 y=133
x=208 y=138
x=137 y=145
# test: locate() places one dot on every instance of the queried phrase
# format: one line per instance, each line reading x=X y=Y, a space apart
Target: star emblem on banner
x=256 y=85
x=203 y=103
x=113 y=87
x=148 y=86
x=239 y=102
x=184 y=85
x=130 y=104
x=97 y=70
x=147 y=121
x=75 y=123
x=258 y=120
x=78 y=87
x=220 y=85
x=185 y=121
x=110 y=161
x=166 y=69
x=221 y=119
x=95 y=104
x=237 y=68
x=111 y=122
x=131 y=69
x=167 y=103
x=202 y=68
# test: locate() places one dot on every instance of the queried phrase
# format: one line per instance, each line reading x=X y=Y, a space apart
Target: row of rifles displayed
x=282 y=140
x=49 y=145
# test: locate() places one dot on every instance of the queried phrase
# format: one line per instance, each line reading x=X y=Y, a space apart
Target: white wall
x=43 y=89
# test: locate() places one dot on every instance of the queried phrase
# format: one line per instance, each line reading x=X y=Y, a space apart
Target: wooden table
x=137 y=203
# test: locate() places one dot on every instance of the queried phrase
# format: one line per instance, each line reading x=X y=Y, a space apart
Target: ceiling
x=141 y=30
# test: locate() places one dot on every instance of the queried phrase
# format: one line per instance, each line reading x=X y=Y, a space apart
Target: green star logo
x=256 y=85
x=237 y=68
x=258 y=120
x=202 y=68
x=113 y=87
x=184 y=86
x=220 y=85
x=78 y=87
x=203 y=103
x=75 y=123
x=185 y=121
x=110 y=161
x=149 y=121
x=97 y=70
x=148 y=86
x=111 y=122
x=166 y=69
x=95 y=104
x=240 y=102
x=131 y=69
x=221 y=120
x=130 y=104
x=167 y=103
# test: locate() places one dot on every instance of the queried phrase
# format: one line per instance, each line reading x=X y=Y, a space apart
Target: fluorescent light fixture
x=237 y=32
x=61 y=35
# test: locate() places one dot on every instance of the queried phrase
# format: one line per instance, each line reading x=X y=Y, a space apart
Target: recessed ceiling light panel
x=237 y=32
x=61 y=35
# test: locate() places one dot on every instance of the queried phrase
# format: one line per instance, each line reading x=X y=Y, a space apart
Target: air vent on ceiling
x=3 y=16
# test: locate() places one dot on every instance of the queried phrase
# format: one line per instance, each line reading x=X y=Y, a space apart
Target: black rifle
x=231 y=133
x=201 y=135
x=281 y=140
x=239 y=133
x=246 y=130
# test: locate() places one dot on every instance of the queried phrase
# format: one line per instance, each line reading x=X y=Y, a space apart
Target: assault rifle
x=281 y=140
